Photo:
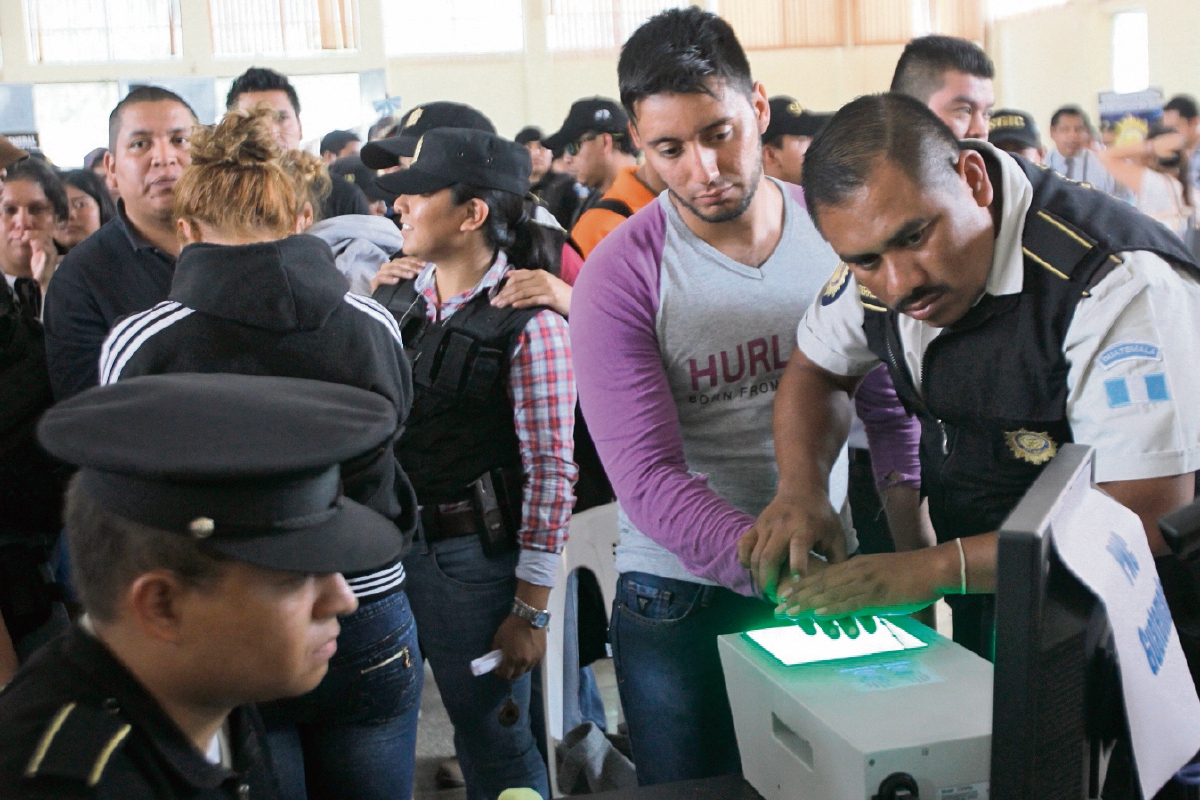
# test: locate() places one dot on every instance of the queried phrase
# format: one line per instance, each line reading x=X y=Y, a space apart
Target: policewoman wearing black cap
x=488 y=444
x=207 y=531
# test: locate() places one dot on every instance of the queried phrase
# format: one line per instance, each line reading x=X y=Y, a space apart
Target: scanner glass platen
x=791 y=646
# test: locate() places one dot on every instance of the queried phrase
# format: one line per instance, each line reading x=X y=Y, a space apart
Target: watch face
x=542 y=620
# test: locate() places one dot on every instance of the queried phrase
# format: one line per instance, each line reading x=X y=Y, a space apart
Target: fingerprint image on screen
x=791 y=646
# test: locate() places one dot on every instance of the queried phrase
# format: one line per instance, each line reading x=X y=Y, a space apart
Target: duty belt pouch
x=495 y=534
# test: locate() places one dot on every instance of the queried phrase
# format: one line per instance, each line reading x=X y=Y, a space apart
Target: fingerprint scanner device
x=898 y=713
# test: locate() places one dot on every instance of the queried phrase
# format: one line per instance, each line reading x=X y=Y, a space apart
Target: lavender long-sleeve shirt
x=678 y=352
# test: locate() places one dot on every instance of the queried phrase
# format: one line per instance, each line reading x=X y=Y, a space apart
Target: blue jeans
x=355 y=735
x=460 y=597
x=664 y=640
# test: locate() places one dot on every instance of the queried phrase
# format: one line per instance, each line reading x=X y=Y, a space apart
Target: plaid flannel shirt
x=541 y=386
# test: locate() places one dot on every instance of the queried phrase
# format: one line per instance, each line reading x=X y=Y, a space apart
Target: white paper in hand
x=1104 y=544
x=486 y=663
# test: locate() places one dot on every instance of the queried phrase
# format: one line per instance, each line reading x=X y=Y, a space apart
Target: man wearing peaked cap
x=788 y=135
x=396 y=150
x=1015 y=132
x=207 y=533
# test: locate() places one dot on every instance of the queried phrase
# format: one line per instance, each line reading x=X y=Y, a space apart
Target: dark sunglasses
x=572 y=149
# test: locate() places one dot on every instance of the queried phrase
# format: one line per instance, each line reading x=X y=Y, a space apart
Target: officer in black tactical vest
x=207 y=532
x=1016 y=311
x=488 y=443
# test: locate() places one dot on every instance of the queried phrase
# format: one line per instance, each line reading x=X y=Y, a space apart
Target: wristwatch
x=538 y=618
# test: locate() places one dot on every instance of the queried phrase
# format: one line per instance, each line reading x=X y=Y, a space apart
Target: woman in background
x=89 y=205
x=1155 y=170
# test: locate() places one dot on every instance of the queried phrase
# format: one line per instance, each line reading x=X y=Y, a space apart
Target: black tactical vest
x=461 y=424
x=993 y=405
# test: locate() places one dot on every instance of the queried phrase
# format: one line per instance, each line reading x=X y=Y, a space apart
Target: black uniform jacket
x=75 y=723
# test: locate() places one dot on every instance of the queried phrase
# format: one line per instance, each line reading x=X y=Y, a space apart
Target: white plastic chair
x=591 y=544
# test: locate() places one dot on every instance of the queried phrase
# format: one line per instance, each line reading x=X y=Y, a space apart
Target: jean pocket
x=659 y=605
x=387 y=682
x=463 y=563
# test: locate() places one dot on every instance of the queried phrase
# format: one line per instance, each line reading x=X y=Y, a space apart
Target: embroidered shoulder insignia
x=78 y=744
x=868 y=300
x=836 y=285
x=1036 y=448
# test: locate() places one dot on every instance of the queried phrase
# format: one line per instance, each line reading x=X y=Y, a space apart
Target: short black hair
x=624 y=144
x=108 y=552
x=141 y=94
x=892 y=127
x=1069 y=111
x=94 y=187
x=926 y=59
x=261 y=79
x=1184 y=105
x=36 y=170
x=335 y=141
x=677 y=52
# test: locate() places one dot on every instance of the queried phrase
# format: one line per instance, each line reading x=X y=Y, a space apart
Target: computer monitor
x=1058 y=707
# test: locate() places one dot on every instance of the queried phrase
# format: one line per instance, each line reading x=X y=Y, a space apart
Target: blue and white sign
x=1104 y=544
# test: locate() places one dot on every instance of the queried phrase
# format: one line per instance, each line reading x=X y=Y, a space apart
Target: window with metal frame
x=583 y=25
x=453 y=27
x=287 y=28
x=770 y=24
x=97 y=31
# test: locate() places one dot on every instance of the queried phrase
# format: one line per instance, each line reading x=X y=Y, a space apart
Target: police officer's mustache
x=920 y=296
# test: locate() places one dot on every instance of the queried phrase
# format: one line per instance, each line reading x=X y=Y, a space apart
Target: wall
x=1044 y=59
x=1061 y=55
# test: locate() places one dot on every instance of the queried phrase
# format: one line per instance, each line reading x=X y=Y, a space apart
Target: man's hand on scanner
x=783 y=535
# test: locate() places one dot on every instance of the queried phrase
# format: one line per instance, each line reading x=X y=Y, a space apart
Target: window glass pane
x=1130 y=52
x=598 y=24
x=87 y=31
x=283 y=27
x=441 y=27
x=1008 y=8
x=764 y=24
x=72 y=119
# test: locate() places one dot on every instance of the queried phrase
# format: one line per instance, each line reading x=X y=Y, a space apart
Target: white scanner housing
x=835 y=730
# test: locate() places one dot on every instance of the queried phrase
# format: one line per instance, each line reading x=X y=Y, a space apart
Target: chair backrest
x=591 y=543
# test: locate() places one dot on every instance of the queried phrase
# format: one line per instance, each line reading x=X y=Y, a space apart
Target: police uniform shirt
x=1131 y=347
x=74 y=723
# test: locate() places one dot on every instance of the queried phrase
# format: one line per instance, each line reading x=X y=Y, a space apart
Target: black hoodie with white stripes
x=280 y=308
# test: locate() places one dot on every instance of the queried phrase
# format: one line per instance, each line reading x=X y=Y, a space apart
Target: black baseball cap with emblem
x=446 y=156
x=1011 y=126
x=351 y=168
x=247 y=465
x=789 y=118
x=385 y=153
x=593 y=115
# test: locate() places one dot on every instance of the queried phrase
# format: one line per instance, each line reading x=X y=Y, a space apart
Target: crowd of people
x=280 y=427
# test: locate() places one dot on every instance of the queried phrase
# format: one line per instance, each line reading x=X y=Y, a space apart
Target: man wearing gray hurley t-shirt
x=682 y=320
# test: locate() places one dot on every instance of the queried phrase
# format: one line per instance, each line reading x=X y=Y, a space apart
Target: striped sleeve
x=128 y=336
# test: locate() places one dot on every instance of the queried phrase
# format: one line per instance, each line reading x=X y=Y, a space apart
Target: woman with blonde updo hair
x=254 y=295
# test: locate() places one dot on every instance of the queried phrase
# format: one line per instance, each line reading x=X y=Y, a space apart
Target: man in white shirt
x=1016 y=311
x=1071 y=132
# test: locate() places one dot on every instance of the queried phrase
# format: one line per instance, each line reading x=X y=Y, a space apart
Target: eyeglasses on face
x=572 y=149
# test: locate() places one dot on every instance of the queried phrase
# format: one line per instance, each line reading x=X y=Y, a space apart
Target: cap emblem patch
x=795 y=109
x=202 y=527
x=602 y=115
x=836 y=285
x=1036 y=448
x=413 y=116
x=417 y=149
